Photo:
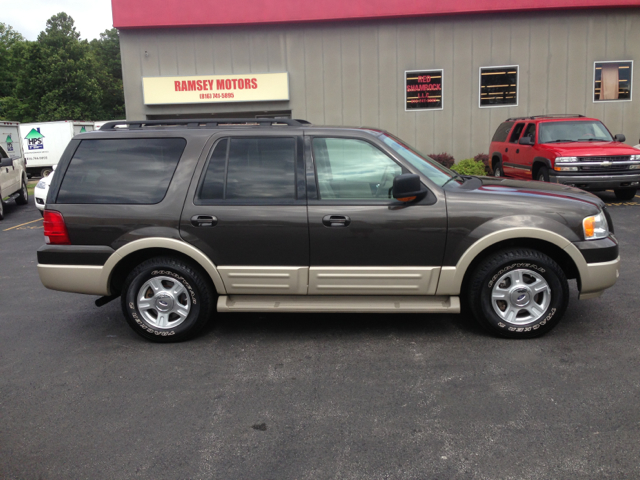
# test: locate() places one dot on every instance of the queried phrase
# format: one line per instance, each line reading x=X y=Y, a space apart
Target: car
x=13 y=180
x=571 y=150
x=41 y=191
x=183 y=220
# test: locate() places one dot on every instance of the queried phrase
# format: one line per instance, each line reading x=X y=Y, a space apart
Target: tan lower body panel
x=73 y=278
x=373 y=280
x=327 y=304
x=265 y=280
x=597 y=277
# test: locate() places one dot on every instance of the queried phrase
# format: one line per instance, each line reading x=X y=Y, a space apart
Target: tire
x=23 y=197
x=625 y=193
x=502 y=293
x=45 y=171
x=543 y=174
x=497 y=170
x=185 y=312
x=1 y=208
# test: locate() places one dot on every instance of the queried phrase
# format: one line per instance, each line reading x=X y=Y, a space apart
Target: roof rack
x=551 y=115
x=204 y=123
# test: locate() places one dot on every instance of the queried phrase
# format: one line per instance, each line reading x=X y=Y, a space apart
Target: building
x=440 y=75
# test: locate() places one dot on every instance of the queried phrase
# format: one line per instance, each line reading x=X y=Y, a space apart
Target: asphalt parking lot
x=314 y=396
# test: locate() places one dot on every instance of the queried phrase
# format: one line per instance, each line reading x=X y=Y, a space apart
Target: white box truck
x=10 y=138
x=44 y=142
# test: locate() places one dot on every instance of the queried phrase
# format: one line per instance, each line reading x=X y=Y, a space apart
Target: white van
x=44 y=142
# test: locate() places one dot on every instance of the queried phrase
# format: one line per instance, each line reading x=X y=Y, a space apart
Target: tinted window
x=352 y=169
x=498 y=86
x=245 y=168
x=261 y=168
x=212 y=187
x=502 y=132
x=612 y=81
x=125 y=171
x=515 y=135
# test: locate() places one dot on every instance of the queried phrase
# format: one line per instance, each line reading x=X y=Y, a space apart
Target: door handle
x=336 y=221
x=204 y=221
x=517 y=150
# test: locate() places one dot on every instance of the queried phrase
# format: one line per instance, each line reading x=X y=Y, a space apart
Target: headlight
x=635 y=158
x=562 y=168
x=41 y=184
x=566 y=159
x=595 y=227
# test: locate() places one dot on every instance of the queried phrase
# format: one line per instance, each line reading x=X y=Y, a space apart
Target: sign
x=250 y=87
x=34 y=139
x=423 y=90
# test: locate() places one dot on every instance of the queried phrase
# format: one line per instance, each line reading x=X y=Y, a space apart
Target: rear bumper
x=88 y=279
x=596 y=182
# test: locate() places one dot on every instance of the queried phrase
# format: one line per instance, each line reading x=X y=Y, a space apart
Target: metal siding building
x=352 y=72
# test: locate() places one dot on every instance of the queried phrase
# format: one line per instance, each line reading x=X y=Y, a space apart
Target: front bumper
x=597 y=277
x=596 y=182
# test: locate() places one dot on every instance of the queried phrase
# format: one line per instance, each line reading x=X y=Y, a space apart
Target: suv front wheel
x=167 y=300
x=518 y=293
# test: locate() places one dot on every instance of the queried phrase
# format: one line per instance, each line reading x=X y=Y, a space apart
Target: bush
x=484 y=158
x=443 y=159
x=469 y=167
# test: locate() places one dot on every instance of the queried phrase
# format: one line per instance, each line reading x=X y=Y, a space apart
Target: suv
x=568 y=149
x=13 y=180
x=181 y=219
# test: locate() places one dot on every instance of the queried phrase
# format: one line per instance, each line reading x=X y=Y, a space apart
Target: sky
x=91 y=17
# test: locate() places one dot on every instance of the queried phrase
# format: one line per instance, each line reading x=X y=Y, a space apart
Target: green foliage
x=60 y=77
x=8 y=39
x=469 y=167
x=484 y=158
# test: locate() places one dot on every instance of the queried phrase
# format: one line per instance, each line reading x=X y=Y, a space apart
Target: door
x=527 y=152
x=511 y=165
x=9 y=174
x=247 y=212
x=362 y=241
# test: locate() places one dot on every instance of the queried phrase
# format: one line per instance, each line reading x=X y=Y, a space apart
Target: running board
x=322 y=303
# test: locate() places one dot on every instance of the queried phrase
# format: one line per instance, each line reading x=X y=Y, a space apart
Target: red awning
x=184 y=13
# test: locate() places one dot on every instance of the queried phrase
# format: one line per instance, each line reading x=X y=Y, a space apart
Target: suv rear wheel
x=625 y=193
x=518 y=293
x=497 y=170
x=167 y=300
x=23 y=197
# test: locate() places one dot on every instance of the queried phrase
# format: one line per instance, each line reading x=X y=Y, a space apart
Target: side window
x=247 y=168
x=353 y=169
x=502 y=132
x=515 y=135
x=121 y=171
x=530 y=131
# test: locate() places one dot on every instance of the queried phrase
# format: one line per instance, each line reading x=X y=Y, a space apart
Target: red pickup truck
x=569 y=149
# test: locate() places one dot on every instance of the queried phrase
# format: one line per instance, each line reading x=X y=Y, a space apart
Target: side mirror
x=6 y=162
x=620 y=137
x=407 y=187
x=526 y=141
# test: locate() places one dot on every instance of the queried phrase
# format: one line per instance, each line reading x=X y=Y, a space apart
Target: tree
x=57 y=77
x=107 y=53
x=8 y=39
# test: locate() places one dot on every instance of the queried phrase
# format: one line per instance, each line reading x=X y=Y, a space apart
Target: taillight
x=55 y=230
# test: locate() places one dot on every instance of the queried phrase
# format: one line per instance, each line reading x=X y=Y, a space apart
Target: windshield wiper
x=457 y=175
x=561 y=140
x=593 y=140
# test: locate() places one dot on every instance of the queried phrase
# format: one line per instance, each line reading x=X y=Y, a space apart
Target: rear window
x=502 y=132
x=121 y=171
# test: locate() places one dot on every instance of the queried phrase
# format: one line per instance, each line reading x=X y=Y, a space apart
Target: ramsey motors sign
x=262 y=87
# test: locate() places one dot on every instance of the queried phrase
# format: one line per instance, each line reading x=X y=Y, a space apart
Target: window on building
x=499 y=86
x=250 y=169
x=423 y=90
x=612 y=81
x=353 y=169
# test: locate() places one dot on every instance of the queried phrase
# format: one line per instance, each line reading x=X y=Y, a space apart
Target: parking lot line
x=22 y=224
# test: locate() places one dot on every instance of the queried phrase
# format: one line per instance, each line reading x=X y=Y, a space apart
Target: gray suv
x=183 y=220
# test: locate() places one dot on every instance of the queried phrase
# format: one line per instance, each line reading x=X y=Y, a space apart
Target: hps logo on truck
x=9 y=144
x=34 y=139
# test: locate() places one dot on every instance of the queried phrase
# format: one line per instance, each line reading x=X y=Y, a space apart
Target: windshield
x=437 y=173
x=580 y=131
